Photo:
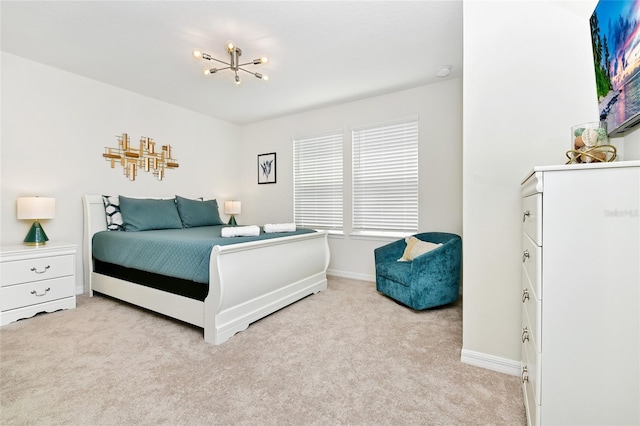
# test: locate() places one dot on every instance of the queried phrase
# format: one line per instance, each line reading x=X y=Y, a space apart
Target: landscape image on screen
x=615 y=38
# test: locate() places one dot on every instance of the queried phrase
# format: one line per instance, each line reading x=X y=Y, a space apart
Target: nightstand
x=36 y=279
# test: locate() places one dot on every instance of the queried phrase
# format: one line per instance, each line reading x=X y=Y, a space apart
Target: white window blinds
x=385 y=177
x=317 y=181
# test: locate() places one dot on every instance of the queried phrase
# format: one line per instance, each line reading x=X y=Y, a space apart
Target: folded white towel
x=279 y=227
x=240 y=231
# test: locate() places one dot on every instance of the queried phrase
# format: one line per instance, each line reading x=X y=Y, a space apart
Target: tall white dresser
x=581 y=294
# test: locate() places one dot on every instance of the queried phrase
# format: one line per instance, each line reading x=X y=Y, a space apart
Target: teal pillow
x=143 y=214
x=198 y=213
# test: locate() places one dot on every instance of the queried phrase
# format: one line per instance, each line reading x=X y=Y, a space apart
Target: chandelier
x=233 y=65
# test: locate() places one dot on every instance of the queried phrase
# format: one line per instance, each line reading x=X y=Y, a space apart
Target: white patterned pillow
x=112 y=211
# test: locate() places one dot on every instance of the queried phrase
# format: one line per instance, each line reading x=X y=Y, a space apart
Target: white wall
x=632 y=145
x=528 y=78
x=55 y=126
x=439 y=108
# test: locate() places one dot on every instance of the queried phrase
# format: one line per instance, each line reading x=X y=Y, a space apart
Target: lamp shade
x=36 y=208
x=232 y=207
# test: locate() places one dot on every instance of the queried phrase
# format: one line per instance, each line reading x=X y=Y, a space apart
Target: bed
x=246 y=281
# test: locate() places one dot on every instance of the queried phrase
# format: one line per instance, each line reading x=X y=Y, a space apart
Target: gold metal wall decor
x=144 y=158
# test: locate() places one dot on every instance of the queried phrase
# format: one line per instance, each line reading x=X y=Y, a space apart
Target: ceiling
x=321 y=53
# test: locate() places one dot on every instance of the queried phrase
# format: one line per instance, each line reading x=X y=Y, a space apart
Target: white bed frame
x=247 y=281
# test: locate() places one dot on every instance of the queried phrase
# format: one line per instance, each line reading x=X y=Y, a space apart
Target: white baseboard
x=351 y=275
x=490 y=362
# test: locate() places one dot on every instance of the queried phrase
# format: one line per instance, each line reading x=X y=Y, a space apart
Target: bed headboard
x=95 y=220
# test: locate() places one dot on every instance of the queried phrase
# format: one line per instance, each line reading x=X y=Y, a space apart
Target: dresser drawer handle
x=525 y=215
x=39 y=295
x=525 y=255
x=525 y=375
x=525 y=335
x=525 y=295
x=40 y=272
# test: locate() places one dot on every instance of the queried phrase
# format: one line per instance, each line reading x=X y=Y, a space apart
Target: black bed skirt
x=186 y=288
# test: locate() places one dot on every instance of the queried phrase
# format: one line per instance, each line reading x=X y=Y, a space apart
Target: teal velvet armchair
x=429 y=280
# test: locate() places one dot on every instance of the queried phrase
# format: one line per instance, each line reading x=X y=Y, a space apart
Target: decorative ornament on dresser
x=145 y=157
x=590 y=144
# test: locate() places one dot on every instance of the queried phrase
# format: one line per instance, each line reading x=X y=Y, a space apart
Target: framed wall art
x=267 y=168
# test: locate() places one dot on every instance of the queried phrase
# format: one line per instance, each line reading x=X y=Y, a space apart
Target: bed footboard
x=251 y=280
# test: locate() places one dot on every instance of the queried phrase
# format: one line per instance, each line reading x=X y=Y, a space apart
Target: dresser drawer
x=531 y=316
x=27 y=294
x=532 y=408
x=44 y=268
x=532 y=217
x=532 y=264
x=532 y=361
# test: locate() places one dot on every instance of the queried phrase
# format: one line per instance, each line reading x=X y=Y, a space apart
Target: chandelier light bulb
x=238 y=80
x=230 y=46
x=265 y=77
x=264 y=60
x=197 y=54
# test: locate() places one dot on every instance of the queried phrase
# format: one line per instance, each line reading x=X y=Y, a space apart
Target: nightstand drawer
x=24 y=271
x=21 y=295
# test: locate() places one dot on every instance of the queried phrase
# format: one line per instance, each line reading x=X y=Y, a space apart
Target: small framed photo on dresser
x=267 y=168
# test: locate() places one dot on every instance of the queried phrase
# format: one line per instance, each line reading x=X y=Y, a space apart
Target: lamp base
x=232 y=221
x=36 y=235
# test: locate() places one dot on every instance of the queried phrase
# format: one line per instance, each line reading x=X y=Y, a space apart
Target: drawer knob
x=525 y=335
x=525 y=295
x=525 y=374
x=525 y=255
x=40 y=272
x=39 y=295
x=525 y=215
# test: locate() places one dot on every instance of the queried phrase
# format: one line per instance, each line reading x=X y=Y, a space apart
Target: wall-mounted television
x=615 y=38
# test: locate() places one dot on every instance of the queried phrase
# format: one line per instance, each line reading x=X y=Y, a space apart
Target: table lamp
x=36 y=208
x=232 y=208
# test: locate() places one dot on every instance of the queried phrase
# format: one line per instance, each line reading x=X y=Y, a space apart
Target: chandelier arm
x=222 y=69
x=247 y=71
x=211 y=58
x=248 y=63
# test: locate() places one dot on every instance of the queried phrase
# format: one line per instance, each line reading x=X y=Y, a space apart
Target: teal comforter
x=180 y=253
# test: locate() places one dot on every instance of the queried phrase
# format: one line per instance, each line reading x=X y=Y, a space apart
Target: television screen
x=615 y=38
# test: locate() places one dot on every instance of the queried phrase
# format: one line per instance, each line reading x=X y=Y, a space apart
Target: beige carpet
x=344 y=356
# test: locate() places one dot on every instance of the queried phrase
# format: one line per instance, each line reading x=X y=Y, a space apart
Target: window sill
x=379 y=236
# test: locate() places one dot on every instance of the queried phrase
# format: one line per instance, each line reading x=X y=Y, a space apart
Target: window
x=385 y=177
x=317 y=181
